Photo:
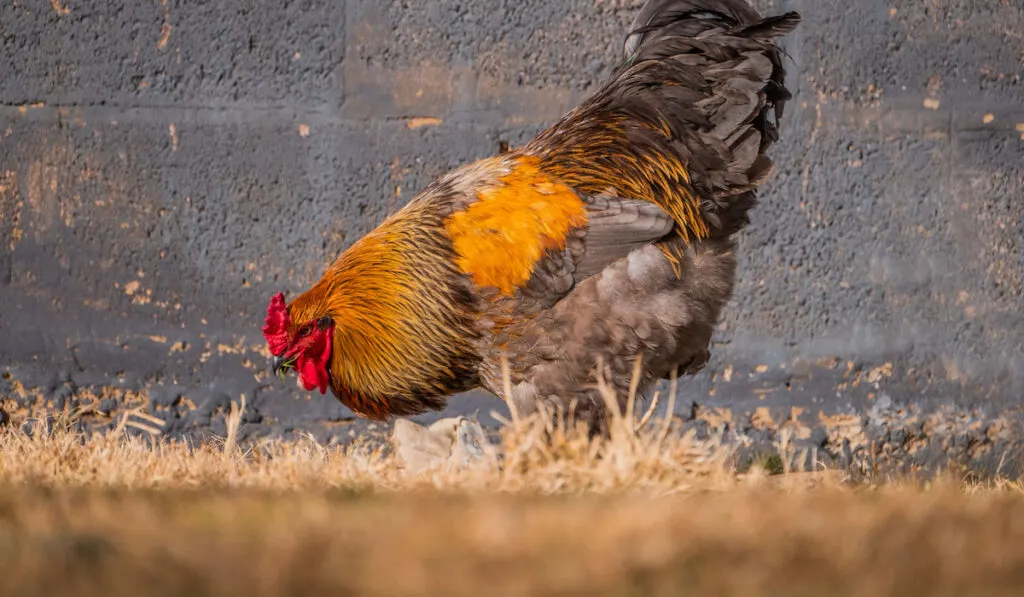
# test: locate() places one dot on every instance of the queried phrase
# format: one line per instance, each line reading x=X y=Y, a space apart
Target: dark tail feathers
x=689 y=18
x=685 y=121
x=665 y=28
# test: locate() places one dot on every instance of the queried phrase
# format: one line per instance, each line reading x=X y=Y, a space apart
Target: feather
x=770 y=27
x=616 y=227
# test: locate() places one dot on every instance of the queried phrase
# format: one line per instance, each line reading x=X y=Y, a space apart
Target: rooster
x=605 y=242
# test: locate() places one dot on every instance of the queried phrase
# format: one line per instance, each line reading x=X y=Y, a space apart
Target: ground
x=651 y=511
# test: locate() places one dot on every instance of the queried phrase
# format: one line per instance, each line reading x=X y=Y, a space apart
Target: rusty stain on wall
x=415 y=123
x=59 y=7
x=877 y=374
x=11 y=206
x=139 y=295
x=427 y=84
x=762 y=419
x=50 y=182
x=165 y=28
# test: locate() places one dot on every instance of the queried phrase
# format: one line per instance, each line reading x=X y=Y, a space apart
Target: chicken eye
x=305 y=331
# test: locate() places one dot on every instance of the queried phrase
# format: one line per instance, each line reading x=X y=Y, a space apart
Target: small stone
x=471 y=444
x=455 y=442
x=418 y=448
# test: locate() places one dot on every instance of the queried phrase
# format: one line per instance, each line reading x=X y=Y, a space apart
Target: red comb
x=275 y=329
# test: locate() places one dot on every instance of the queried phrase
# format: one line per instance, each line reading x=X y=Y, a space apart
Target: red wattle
x=313 y=363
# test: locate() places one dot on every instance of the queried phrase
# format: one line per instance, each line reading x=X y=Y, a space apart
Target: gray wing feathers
x=616 y=226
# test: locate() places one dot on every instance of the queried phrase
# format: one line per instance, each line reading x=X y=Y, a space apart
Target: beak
x=281 y=365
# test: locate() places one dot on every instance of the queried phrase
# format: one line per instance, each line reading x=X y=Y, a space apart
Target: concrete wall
x=166 y=166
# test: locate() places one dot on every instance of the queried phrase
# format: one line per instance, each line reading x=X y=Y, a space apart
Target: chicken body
x=607 y=238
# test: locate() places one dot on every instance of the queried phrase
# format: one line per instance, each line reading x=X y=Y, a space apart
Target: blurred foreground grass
x=648 y=512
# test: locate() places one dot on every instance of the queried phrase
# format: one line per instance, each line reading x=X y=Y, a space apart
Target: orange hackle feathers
x=398 y=329
x=515 y=220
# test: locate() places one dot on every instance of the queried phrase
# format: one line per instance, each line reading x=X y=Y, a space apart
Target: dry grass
x=649 y=511
x=538 y=456
x=824 y=542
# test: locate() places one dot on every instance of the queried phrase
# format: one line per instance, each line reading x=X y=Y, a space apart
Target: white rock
x=455 y=442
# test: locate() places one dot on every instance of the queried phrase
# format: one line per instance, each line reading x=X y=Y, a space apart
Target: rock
x=452 y=443
x=471 y=444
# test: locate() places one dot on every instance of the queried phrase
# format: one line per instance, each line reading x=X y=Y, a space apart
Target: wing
x=529 y=236
x=615 y=227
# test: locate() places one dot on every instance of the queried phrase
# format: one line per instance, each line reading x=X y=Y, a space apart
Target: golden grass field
x=650 y=511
